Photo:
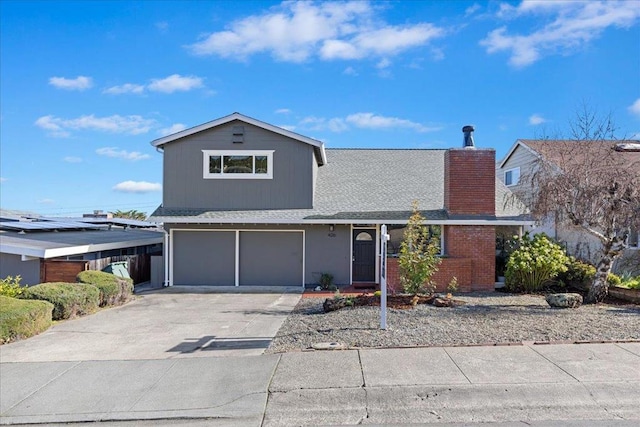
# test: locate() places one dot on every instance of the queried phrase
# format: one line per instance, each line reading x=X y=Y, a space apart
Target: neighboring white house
x=515 y=171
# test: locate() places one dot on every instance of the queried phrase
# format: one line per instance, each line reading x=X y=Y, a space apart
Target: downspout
x=166 y=253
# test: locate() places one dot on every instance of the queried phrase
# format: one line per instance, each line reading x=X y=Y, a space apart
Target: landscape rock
x=446 y=302
x=568 y=300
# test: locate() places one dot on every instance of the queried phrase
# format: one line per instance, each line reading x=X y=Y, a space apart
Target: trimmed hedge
x=68 y=299
x=22 y=318
x=113 y=289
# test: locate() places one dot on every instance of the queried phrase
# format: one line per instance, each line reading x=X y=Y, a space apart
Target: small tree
x=588 y=183
x=130 y=214
x=418 y=256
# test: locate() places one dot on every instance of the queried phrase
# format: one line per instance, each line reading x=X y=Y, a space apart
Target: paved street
x=197 y=359
x=540 y=384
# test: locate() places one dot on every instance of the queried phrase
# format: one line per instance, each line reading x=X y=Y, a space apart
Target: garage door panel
x=204 y=258
x=271 y=258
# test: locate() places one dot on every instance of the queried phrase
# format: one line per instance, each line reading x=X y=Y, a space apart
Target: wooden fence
x=139 y=267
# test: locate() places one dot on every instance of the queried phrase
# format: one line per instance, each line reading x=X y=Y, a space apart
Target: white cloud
x=320 y=123
x=162 y=26
x=121 y=154
x=384 y=63
x=373 y=121
x=385 y=41
x=536 y=119
x=79 y=83
x=3 y=179
x=363 y=121
x=137 y=187
x=569 y=26
x=52 y=125
x=46 y=201
x=72 y=159
x=125 y=88
x=472 y=9
x=133 y=125
x=298 y=31
x=175 y=83
x=635 y=108
x=350 y=71
x=283 y=111
x=174 y=128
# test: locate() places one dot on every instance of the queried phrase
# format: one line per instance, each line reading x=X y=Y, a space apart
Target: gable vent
x=238 y=135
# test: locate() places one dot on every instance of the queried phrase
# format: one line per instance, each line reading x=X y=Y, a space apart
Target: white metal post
x=165 y=253
x=384 y=238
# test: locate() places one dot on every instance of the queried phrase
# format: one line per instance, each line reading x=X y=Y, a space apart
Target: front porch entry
x=364 y=255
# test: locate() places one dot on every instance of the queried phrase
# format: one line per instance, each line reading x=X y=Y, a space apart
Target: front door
x=364 y=255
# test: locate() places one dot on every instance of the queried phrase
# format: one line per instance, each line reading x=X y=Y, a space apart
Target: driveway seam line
x=43 y=386
x=554 y=364
x=457 y=366
x=152 y=386
x=628 y=351
x=266 y=402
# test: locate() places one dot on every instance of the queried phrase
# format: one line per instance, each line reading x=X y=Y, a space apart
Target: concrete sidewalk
x=540 y=384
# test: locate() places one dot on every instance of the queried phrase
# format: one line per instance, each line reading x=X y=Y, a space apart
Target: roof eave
x=158 y=143
x=208 y=221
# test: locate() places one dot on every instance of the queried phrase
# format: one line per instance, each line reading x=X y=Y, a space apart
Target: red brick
x=469 y=182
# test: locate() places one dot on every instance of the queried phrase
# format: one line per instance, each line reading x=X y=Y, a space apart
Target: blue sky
x=85 y=86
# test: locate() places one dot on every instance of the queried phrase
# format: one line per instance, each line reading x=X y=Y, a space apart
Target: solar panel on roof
x=46 y=225
x=115 y=221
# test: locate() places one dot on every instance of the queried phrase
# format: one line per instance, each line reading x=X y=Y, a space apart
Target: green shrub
x=113 y=289
x=579 y=275
x=633 y=283
x=614 y=280
x=534 y=263
x=326 y=281
x=418 y=258
x=626 y=281
x=10 y=286
x=68 y=299
x=22 y=319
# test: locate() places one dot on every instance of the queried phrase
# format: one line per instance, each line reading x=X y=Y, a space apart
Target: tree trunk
x=600 y=287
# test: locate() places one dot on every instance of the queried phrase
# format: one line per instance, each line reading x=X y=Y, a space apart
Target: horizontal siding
x=185 y=187
x=522 y=158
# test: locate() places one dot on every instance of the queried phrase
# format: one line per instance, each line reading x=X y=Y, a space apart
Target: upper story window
x=512 y=177
x=237 y=164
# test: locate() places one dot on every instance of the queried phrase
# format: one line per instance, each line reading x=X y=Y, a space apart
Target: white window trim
x=514 y=171
x=208 y=175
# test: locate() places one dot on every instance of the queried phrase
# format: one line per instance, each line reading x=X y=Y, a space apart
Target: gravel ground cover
x=486 y=318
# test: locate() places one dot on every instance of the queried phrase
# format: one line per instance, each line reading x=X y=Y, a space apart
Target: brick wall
x=477 y=243
x=470 y=258
x=469 y=181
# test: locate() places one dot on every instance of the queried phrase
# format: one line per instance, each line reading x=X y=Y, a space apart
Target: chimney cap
x=468 y=128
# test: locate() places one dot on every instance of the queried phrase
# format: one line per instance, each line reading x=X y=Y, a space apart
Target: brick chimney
x=470 y=179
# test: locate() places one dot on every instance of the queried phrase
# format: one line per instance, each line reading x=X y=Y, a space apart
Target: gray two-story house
x=249 y=203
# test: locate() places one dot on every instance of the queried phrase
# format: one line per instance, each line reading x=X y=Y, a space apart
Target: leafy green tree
x=418 y=258
x=534 y=263
x=131 y=214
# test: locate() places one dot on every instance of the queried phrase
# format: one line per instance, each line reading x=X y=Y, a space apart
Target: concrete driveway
x=178 y=322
